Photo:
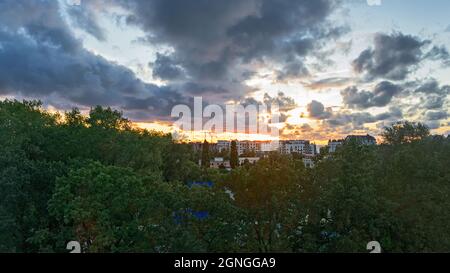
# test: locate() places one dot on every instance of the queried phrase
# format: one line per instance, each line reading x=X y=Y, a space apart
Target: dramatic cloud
x=395 y=56
x=433 y=102
x=86 y=19
x=359 y=119
x=328 y=83
x=436 y=115
x=317 y=110
x=284 y=102
x=430 y=86
x=439 y=53
x=84 y=79
x=214 y=49
x=431 y=93
x=212 y=40
x=40 y=58
x=347 y=120
x=380 y=96
x=165 y=68
x=213 y=46
x=39 y=19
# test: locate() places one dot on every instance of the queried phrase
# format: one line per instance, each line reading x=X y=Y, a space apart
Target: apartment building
x=361 y=139
x=248 y=146
x=223 y=145
x=297 y=146
x=334 y=144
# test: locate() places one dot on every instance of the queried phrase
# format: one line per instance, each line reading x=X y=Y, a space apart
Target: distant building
x=297 y=146
x=334 y=144
x=258 y=147
x=361 y=139
x=223 y=145
x=219 y=163
x=312 y=150
x=248 y=146
x=212 y=147
x=251 y=160
x=308 y=161
x=198 y=146
x=267 y=146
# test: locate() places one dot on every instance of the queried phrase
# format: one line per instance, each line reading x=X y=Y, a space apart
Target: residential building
x=334 y=144
x=198 y=146
x=308 y=160
x=267 y=146
x=297 y=146
x=219 y=163
x=248 y=146
x=361 y=139
x=223 y=145
x=251 y=160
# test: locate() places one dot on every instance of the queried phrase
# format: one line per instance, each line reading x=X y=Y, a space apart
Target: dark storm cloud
x=159 y=104
x=433 y=102
x=432 y=94
x=36 y=70
x=293 y=70
x=436 y=115
x=317 y=110
x=86 y=19
x=258 y=34
x=349 y=121
x=39 y=19
x=196 y=30
x=395 y=56
x=328 y=83
x=211 y=38
x=284 y=102
x=380 y=96
x=359 y=119
x=166 y=68
x=430 y=86
x=39 y=58
x=196 y=89
x=439 y=53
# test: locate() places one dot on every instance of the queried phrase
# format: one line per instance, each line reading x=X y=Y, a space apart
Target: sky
x=335 y=67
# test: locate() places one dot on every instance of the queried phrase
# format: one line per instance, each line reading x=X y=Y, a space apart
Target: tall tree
x=205 y=155
x=107 y=118
x=234 y=157
x=405 y=132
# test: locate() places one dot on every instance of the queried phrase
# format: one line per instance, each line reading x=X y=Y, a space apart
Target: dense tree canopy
x=114 y=188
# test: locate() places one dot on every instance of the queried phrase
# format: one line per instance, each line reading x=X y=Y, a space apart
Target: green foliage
x=270 y=193
x=234 y=157
x=100 y=117
x=114 y=188
x=205 y=155
x=405 y=132
x=179 y=163
x=109 y=209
